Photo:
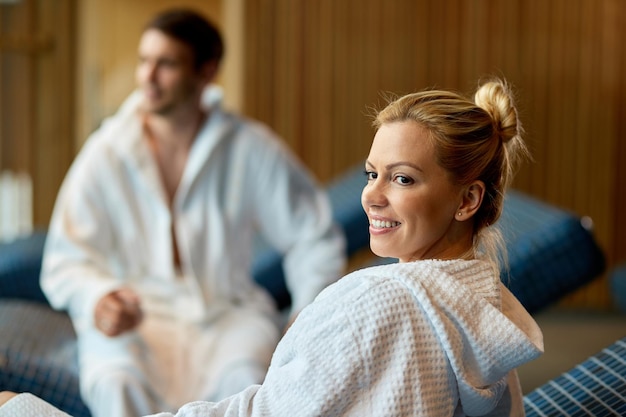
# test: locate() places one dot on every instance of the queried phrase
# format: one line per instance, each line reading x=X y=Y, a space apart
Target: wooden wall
x=313 y=69
x=37 y=94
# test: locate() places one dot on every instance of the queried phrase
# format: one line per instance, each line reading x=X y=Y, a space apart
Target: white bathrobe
x=427 y=338
x=208 y=327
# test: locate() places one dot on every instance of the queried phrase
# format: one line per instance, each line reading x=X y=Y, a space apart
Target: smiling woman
x=436 y=334
x=444 y=162
x=411 y=201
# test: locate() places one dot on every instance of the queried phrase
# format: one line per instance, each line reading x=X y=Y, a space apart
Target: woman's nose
x=373 y=194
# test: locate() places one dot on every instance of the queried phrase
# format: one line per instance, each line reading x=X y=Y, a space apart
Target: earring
x=460 y=214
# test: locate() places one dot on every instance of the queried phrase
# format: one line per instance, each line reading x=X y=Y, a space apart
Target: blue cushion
x=38 y=354
x=20 y=264
x=618 y=287
x=551 y=251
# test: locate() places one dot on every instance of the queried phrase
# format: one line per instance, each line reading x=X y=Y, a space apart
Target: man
x=150 y=243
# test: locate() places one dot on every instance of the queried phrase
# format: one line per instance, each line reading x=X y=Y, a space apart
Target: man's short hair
x=193 y=29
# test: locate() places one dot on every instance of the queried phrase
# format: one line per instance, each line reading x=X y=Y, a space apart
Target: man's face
x=166 y=74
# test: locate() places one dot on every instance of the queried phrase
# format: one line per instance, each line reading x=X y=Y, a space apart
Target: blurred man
x=150 y=244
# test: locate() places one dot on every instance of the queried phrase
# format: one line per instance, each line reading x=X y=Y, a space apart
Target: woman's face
x=410 y=200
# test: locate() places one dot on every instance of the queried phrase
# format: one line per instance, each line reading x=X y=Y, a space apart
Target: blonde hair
x=479 y=139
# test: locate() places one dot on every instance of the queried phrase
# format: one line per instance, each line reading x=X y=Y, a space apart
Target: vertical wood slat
x=537 y=123
x=580 y=172
x=17 y=57
x=341 y=87
x=612 y=41
x=555 y=75
x=619 y=156
x=562 y=56
x=54 y=79
x=25 y=45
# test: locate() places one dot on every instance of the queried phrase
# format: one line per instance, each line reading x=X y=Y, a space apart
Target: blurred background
x=313 y=70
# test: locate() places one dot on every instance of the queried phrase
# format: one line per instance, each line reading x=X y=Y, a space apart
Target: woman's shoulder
x=407 y=276
x=416 y=270
x=406 y=283
x=371 y=287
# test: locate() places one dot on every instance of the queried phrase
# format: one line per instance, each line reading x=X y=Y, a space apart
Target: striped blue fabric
x=551 y=252
x=596 y=387
x=38 y=354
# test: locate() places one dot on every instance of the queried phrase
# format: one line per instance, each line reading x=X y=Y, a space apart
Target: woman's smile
x=382 y=224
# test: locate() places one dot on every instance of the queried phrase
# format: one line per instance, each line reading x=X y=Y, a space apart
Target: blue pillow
x=20 y=265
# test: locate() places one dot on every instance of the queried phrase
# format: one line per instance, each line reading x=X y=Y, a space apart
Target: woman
x=436 y=334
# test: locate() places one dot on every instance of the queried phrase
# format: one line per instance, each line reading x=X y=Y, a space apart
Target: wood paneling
x=314 y=68
x=37 y=95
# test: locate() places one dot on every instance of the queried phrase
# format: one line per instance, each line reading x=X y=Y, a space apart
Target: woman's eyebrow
x=404 y=163
x=368 y=164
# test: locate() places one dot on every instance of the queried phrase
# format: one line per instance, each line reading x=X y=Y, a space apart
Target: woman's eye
x=402 y=180
x=371 y=175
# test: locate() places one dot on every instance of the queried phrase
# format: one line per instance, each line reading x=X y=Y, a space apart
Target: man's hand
x=118 y=312
x=6 y=396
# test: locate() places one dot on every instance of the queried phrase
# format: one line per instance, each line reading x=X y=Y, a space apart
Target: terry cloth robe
x=112 y=227
x=427 y=338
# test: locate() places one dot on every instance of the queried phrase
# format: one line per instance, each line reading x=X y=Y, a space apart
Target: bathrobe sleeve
x=295 y=216
x=77 y=268
x=349 y=356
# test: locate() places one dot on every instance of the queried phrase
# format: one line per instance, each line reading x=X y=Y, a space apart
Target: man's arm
x=75 y=271
x=295 y=216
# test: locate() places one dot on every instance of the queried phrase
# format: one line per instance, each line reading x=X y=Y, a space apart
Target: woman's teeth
x=380 y=224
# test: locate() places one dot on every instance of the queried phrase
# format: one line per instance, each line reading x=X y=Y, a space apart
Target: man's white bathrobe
x=427 y=338
x=208 y=328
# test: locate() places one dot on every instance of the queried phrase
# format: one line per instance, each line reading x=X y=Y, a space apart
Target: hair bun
x=496 y=98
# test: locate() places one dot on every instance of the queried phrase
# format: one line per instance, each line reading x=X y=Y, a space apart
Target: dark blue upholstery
x=38 y=354
x=618 y=287
x=596 y=387
x=20 y=264
x=551 y=253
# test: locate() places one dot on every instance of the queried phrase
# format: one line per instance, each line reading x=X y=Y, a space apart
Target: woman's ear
x=472 y=199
